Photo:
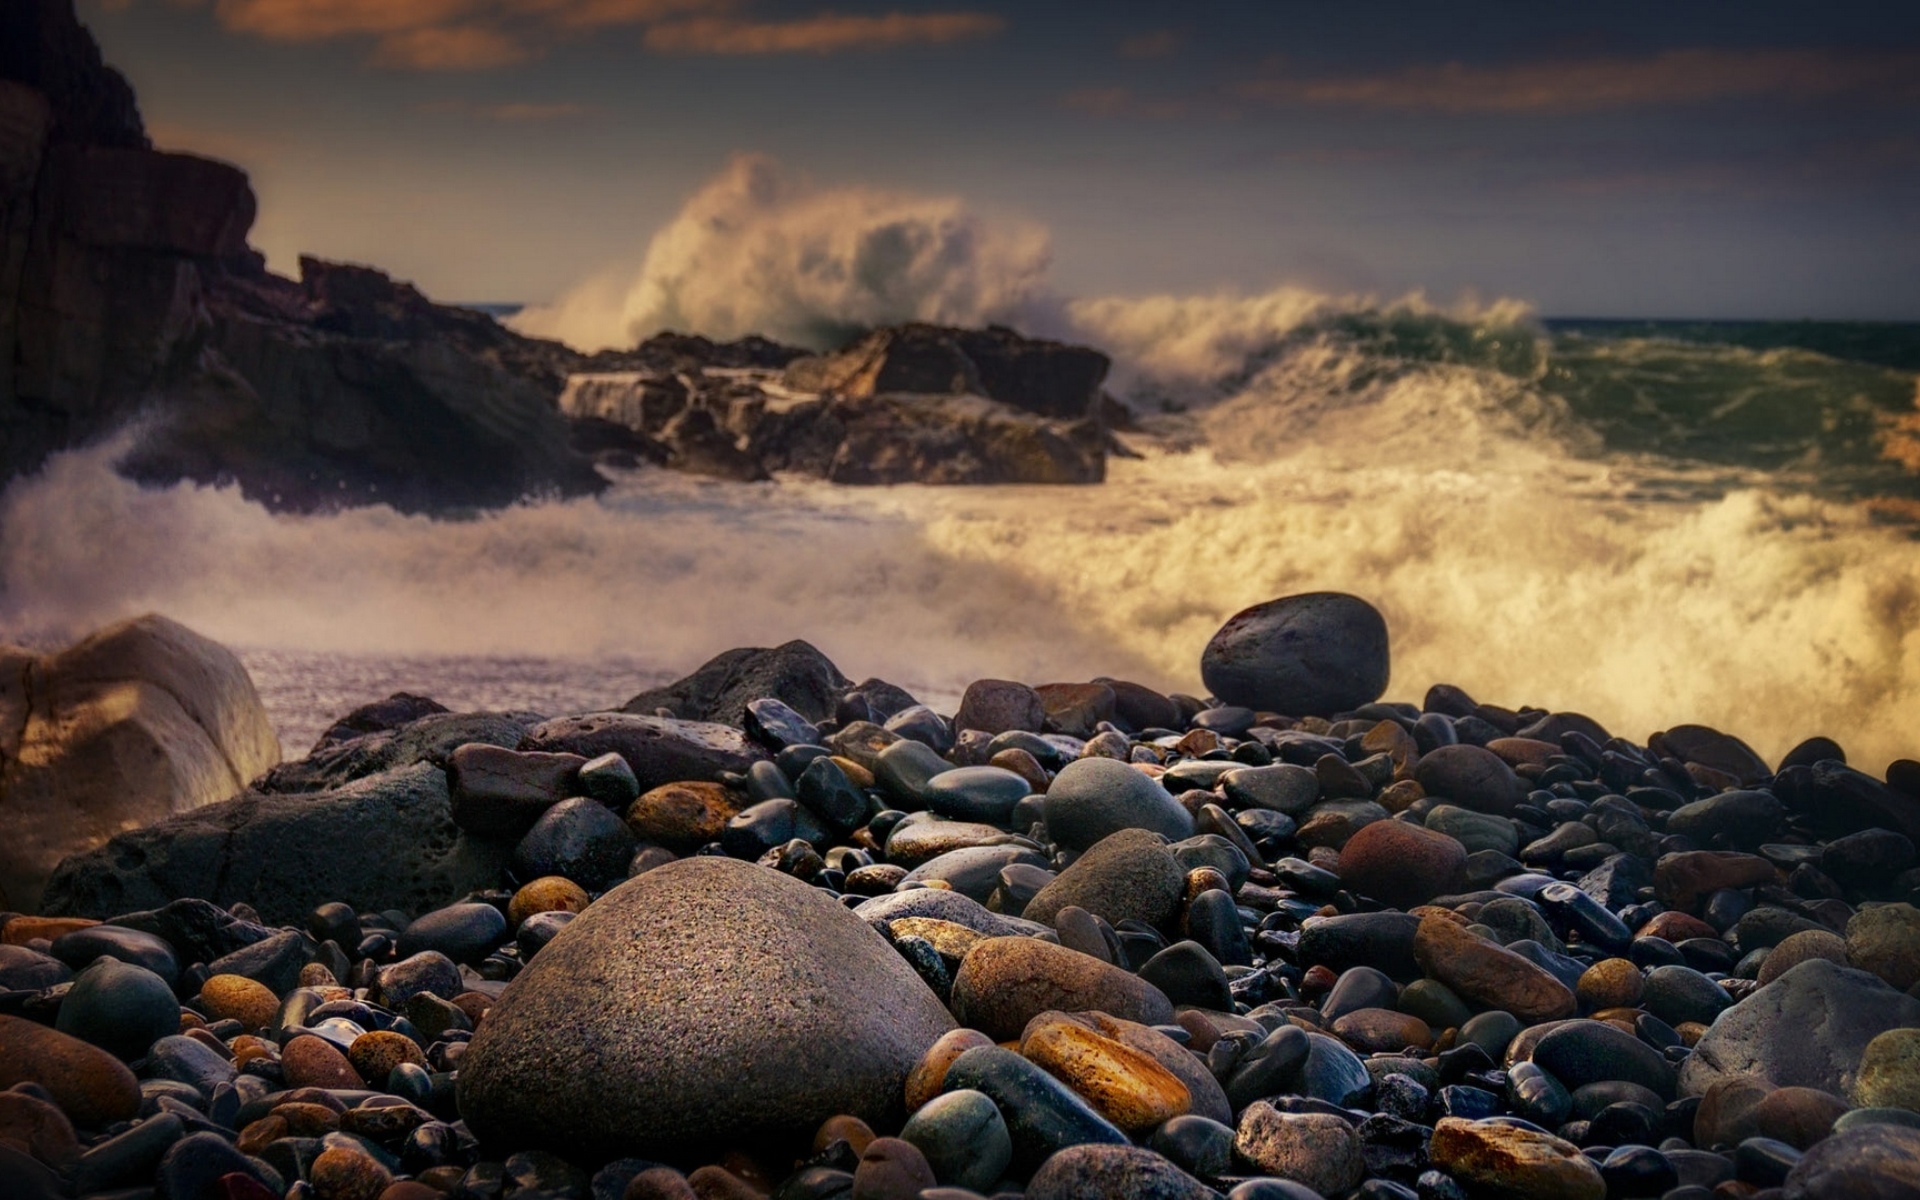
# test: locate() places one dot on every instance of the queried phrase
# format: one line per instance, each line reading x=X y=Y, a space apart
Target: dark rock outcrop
x=386 y=841
x=911 y=404
x=127 y=289
x=720 y=690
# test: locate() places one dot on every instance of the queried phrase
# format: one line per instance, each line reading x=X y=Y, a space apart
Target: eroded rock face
x=386 y=841
x=720 y=690
x=1049 y=379
x=126 y=284
x=141 y=721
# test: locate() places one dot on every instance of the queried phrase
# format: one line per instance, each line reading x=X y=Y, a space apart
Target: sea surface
x=1652 y=522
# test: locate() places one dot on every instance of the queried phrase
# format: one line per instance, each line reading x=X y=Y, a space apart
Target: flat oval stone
x=1005 y=982
x=463 y=932
x=90 y=1085
x=580 y=839
x=686 y=816
x=134 y=947
x=1129 y=1088
x=772 y=1042
x=985 y=794
x=1317 y=1149
x=1401 y=864
x=1483 y=973
x=1583 y=1052
x=1043 y=1115
x=1472 y=777
x=1504 y=1162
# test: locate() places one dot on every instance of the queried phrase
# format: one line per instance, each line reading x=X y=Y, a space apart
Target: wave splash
x=1546 y=515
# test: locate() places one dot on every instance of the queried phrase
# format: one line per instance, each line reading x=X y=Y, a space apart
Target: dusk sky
x=1634 y=160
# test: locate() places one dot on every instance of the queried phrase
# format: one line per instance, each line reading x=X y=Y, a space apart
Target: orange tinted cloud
x=450 y=48
x=1674 y=77
x=314 y=20
x=823 y=34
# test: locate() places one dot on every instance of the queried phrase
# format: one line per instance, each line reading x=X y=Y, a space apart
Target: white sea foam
x=1398 y=451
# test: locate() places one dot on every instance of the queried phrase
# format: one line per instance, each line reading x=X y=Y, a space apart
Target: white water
x=1508 y=557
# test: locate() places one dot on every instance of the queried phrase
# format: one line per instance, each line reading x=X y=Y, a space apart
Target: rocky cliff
x=127 y=289
x=128 y=293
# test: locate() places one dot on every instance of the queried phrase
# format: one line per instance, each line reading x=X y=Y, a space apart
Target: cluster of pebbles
x=1084 y=940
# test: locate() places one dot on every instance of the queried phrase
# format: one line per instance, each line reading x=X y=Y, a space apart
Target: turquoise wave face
x=1755 y=396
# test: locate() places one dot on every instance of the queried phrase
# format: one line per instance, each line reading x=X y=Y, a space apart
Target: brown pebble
x=409 y=1189
x=307 y=1120
x=1023 y=764
x=892 y=1169
x=659 y=1183
x=856 y=1133
x=38 y=1127
x=1798 y=1116
x=315 y=975
x=342 y=1174
x=237 y=998
x=374 y=1055
x=91 y=1086
x=309 y=1061
x=929 y=1076
x=258 y=1135
x=549 y=893
x=443 y=1179
x=21 y=930
x=474 y=1004
x=1376 y=1030
x=718 y=1183
x=1611 y=983
x=206 y=1038
x=246 y=1048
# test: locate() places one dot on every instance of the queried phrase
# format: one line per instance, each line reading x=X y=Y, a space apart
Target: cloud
x=516 y=113
x=475 y=35
x=450 y=48
x=1125 y=102
x=761 y=250
x=1673 y=77
x=1158 y=43
x=822 y=34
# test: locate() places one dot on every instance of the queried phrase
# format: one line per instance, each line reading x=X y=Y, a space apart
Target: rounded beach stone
x=1005 y=982
x=1505 y=1162
x=929 y=1075
x=1798 y=948
x=1885 y=939
x=1807 y=1028
x=1482 y=973
x=1126 y=1086
x=1873 y=1162
x=1319 y=1150
x=91 y=1086
x=1129 y=875
x=1889 y=1074
x=549 y=893
x=375 y=1054
x=997 y=705
x=1611 y=983
x=758 y=1003
x=310 y=1061
x=1100 y=1172
x=237 y=998
x=1401 y=864
x=1093 y=798
x=683 y=816
x=891 y=1169
x=120 y=1008
x=341 y=1173
x=1471 y=777
x=579 y=838
x=1313 y=654
x=964 y=1138
x=463 y=932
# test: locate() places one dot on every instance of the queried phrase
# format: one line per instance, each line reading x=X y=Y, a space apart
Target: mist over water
x=1575 y=524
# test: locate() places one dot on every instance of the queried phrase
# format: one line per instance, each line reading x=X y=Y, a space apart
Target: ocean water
x=1648 y=522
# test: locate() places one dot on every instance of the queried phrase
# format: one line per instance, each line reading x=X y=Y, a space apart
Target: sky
x=1653 y=160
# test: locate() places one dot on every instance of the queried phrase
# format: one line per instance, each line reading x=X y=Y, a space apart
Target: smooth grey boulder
x=706 y=1003
x=1092 y=798
x=387 y=841
x=1807 y=1028
x=1314 y=654
x=1129 y=875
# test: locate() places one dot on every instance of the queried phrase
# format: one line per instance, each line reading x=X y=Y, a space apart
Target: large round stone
x=1310 y=655
x=705 y=1003
x=1130 y=875
x=1094 y=797
x=1472 y=777
x=1402 y=864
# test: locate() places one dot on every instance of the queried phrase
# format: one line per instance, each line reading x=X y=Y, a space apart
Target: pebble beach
x=769 y=932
